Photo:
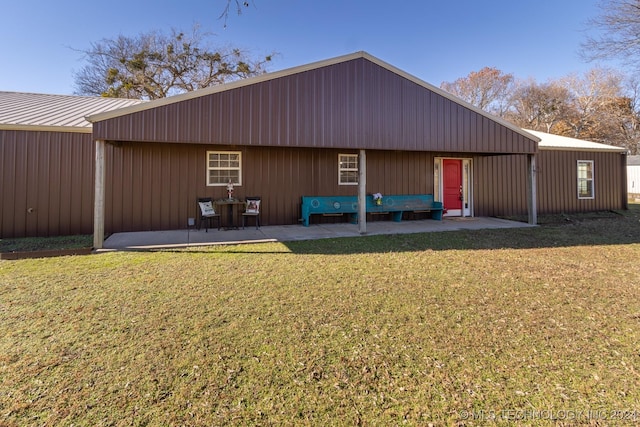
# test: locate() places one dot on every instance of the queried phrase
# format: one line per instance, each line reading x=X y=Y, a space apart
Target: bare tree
x=488 y=89
x=619 y=120
x=619 y=24
x=600 y=105
x=154 y=65
x=539 y=106
x=593 y=96
x=630 y=123
x=239 y=5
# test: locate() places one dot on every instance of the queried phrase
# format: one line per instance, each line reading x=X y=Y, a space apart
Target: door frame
x=467 y=183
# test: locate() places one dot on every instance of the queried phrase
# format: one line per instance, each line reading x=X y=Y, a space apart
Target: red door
x=452 y=185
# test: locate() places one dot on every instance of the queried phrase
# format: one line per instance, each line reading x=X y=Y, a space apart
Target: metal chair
x=252 y=209
x=207 y=212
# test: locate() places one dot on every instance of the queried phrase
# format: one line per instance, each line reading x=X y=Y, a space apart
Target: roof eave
x=593 y=150
x=45 y=128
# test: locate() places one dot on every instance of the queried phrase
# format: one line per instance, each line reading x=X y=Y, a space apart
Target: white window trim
x=239 y=168
x=592 y=179
x=341 y=169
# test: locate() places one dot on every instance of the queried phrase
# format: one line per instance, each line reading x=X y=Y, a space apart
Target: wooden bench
x=395 y=205
x=329 y=205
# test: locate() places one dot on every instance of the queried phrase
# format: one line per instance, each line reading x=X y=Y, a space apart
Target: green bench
x=395 y=205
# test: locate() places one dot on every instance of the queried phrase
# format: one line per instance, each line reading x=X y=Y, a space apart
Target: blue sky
x=435 y=41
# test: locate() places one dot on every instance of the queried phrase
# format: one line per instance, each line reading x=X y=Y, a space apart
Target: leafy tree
x=155 y=65
x=619 y=26
x=488 y=89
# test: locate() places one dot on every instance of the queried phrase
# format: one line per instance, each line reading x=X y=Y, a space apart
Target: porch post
x=362 y=192
x=99 y=193
x=532 y=191
x=625 y=178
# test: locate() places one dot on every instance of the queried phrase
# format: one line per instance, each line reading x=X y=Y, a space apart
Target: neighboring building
x=47 y=160
x=302 y=131
x=633 y=177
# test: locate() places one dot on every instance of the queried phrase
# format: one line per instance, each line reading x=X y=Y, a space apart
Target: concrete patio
x=142 y=240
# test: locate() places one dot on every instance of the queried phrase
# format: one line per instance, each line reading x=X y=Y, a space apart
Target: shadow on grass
x=592 y=229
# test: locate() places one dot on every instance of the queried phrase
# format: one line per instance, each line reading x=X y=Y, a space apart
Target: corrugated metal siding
x=155 y=186
x=557 y=174
x=350 y=105
x=50 y=173
x=500 y=183
x=160 y=182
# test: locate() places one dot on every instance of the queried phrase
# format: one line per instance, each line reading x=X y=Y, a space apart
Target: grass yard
x=532 y=325
x=46 y=243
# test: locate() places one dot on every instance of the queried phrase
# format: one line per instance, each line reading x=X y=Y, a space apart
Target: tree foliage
x=156 y=65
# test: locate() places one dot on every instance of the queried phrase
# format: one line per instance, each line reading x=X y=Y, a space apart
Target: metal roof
x=549 y=141
x=633 y=160
x=34 y=111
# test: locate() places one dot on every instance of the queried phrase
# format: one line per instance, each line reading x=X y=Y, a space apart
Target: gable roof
x=61 y=113
x=296 y=70
x=550 y=141
x=350 y=102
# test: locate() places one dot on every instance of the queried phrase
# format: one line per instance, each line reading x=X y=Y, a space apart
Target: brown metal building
x=556 y=176
x=47 y=163
x=301 y=131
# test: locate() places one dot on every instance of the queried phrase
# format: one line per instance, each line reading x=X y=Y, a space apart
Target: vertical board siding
x=47 y=183
x=155 y=186
x=355 y=104
x=500 y=183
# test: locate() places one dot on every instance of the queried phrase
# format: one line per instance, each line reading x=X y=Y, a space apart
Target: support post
x=99 y=195
x=362 y=192
x=625 y=179
x=532 y=191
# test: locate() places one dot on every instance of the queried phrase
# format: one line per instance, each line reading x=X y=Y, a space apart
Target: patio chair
x=207 y=212
x=252 y=209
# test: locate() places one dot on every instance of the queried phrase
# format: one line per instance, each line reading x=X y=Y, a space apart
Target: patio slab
x=146 y=240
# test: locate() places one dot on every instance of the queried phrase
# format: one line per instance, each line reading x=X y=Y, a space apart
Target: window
x=347 y=169
x=585 y=179
x=223 y=166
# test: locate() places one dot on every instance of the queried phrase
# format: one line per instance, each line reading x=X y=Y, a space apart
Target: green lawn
x=505 y=325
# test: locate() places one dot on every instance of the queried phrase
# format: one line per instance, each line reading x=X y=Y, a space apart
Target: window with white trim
x=347 y=169
x=585 y=179
x=224 y=166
